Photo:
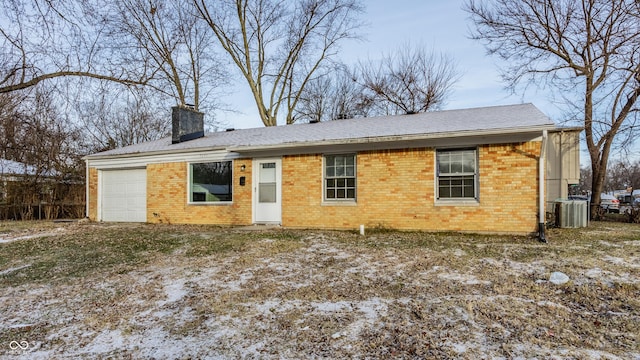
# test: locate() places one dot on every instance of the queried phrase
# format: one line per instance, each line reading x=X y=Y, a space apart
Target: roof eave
x=152 y=153
x=348 y=141
x=387 y=139
x=568 y=129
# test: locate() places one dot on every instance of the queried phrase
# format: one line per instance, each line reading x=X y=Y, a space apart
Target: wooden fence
x=42 y=211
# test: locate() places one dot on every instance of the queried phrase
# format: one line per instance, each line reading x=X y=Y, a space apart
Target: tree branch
x=37 y=79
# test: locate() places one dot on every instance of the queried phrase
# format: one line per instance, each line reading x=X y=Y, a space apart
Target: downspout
x=562 y=186
x=86 y=195
x=541 y=181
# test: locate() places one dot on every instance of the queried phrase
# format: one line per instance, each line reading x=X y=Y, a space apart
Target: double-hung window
x=340 y=177
x=457 y=175
x=210 y=182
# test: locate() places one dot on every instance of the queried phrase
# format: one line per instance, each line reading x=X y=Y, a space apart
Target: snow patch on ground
x=175 y=291
x=464 y=279
x=532 y=268
x=173 y=310
x=7 y=238
x=607 y=277
x=458 y=252
x=632 y=262
x=13 y=269
x=607 y=243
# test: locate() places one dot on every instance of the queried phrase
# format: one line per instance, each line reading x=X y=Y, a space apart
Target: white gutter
x=541 y=181
x=168 y=150
x=141 y=160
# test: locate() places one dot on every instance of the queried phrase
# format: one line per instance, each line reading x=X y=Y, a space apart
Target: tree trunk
x=597 y=182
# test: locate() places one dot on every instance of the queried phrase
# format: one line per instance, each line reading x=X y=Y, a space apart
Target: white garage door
x=124 y=195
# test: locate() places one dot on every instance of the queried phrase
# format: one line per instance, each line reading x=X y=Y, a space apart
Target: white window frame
x=190 y=184
x=326 y=177
x=461 y=174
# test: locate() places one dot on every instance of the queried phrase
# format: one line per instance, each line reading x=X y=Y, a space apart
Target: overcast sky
x=438 y=25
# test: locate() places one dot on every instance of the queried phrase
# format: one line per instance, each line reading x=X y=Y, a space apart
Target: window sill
x=457 y=202
x=204 y=203
x=339 y=203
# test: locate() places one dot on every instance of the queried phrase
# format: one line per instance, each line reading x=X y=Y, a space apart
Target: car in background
x=626 y=202
x=609 y=203
x=580 y=197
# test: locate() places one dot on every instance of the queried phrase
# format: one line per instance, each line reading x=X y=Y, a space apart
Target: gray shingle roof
x=449 y=123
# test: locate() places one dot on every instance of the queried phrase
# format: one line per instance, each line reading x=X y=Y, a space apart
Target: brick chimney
x=187 y=124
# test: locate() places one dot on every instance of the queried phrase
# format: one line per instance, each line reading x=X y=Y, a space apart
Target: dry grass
x=142 y=291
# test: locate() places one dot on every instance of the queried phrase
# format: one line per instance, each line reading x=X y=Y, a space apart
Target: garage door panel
x=134 y=205
x=134 y=189
x=124 y=195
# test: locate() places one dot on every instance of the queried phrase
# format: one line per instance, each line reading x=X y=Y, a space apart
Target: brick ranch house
x=471 y=170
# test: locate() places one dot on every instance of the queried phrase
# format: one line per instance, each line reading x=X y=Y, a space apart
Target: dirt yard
x=83 y=290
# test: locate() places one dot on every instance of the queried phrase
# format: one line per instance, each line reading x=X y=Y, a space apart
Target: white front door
x=267 y=191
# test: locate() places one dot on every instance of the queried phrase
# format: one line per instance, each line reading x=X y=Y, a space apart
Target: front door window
x=267 y=184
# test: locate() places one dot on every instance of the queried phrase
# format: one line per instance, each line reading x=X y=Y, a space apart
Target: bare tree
x=9 y=125
x=623 y=174
x=159 y=44
x=406 y=81
x=278 y=45
x=169 y=35
x=113 y=119
x=585 y=180
x=334 y=95
x=36 y=134
x=43 y=40
x=409 y=80
x=591 y=45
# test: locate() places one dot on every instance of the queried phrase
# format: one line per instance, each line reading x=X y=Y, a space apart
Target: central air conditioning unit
x=571 y=213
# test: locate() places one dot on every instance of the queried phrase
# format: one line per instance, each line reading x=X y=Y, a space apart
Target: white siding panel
x=124 y=195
